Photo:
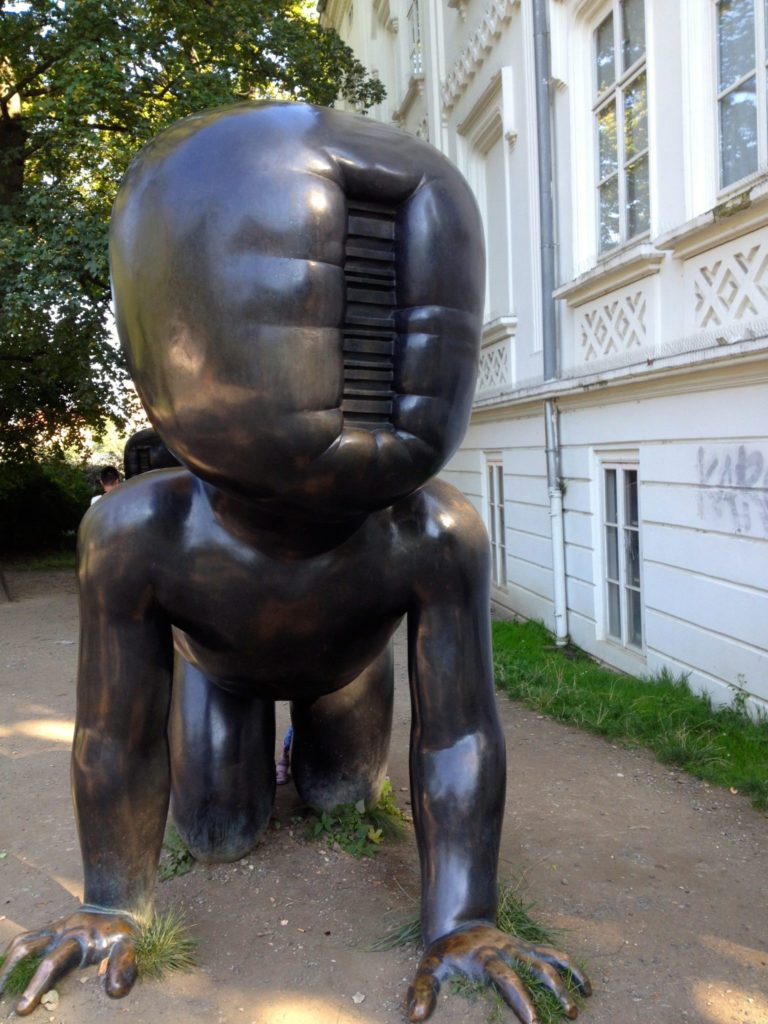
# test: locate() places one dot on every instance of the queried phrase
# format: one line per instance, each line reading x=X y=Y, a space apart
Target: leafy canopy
x=83 y=84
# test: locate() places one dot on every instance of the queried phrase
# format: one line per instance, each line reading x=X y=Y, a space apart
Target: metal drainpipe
x=557 y=526
x=548 y=317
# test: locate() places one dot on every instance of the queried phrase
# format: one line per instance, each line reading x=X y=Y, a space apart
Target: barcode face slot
x=369 y=324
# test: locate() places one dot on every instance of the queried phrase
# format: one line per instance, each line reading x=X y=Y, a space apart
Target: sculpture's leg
x=341 y=741
x=222 y=766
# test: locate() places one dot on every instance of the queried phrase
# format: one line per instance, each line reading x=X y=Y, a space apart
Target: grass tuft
x=724 y=746
x=164 y=945
x=405 y=933
x=21 y=975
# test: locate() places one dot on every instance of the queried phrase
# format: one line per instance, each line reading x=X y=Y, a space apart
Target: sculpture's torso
x=256 y=618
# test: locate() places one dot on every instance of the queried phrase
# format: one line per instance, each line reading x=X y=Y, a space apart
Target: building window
x=621 y=118
x=741 y=87
x=495 y=515
x=414 y=31
x=621 y=566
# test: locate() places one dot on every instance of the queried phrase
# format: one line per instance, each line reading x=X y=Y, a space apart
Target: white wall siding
x=740 y=560
x=717 y=662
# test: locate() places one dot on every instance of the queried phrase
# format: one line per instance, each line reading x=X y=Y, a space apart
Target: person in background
x=283 y=767
x=109 y=479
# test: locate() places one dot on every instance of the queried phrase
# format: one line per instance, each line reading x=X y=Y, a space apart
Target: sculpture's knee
x=220 y=835
x=323 y=790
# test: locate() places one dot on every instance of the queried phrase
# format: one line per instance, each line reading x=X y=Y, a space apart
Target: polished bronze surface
x=299 y=293
x=84 y=938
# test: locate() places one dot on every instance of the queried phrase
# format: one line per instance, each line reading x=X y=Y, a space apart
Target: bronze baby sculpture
x=299 y=293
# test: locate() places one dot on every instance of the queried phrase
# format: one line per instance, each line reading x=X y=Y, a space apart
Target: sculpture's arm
x=120 y=773
x=458 y=774
x=120 y=766
x=458 y=768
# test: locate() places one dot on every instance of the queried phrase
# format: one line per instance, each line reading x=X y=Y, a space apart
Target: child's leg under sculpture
x=283 y=767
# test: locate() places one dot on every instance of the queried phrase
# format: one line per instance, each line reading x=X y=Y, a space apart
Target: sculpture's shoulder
x=439 y=520
x=143 y=517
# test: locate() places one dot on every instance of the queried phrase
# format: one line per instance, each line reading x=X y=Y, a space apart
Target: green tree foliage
x=83 y=84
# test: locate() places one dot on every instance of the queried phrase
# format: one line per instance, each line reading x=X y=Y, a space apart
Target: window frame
x=614 y=94
x=760 y=73
x=415 y=38
x=621 y=465
x=495 y=517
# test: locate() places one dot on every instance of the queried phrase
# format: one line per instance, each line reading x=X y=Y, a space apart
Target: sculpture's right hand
x=85 y=937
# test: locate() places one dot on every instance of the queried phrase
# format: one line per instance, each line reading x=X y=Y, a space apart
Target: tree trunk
x=12 y=139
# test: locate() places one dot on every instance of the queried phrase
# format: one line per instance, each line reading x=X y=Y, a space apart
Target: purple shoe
x=283 y=770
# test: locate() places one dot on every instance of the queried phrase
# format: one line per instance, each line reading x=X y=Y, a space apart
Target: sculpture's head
x=299 y=294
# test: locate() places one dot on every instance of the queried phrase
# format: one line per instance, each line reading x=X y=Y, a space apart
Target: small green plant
x=176 y=859
x=358 y=830
x=165 y=945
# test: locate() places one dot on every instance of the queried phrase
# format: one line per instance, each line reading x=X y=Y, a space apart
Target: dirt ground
x=659 y=882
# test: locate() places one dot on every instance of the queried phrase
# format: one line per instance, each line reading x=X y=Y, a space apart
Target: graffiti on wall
x=733 y=486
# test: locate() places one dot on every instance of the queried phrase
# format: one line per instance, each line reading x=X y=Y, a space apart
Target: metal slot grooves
x=369 y=322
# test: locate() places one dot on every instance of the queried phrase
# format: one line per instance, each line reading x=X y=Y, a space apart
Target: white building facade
x=647 y=542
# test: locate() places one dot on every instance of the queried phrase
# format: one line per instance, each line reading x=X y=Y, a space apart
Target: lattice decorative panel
x=730 y=283
x=616 y=324
x=494 y=370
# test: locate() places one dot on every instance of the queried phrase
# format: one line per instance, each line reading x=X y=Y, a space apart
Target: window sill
x=624 y=267
x=500 y=329
x=738 y=214
x=415 y=88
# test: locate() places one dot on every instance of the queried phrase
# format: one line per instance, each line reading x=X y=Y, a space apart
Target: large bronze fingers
x=422 y=995
x=122 y=969
x=62 y=958
x=22 y=946
x=512 y=989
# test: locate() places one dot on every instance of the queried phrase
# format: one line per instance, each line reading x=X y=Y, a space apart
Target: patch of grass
x=473 y=991
x=164 y=945
x=51 y=560
x=405 y=933
x=21 y=975
x=358 y=830
x=176 y=860
x=724 y=746
x=513 y=916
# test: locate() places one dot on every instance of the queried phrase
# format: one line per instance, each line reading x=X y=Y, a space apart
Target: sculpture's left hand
x=85 y=937
x=481 y=951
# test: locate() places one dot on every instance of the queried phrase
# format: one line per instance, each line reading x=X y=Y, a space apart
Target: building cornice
x=623 y=268
x=415 y=88
x=706 y=370
x=472 y=57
